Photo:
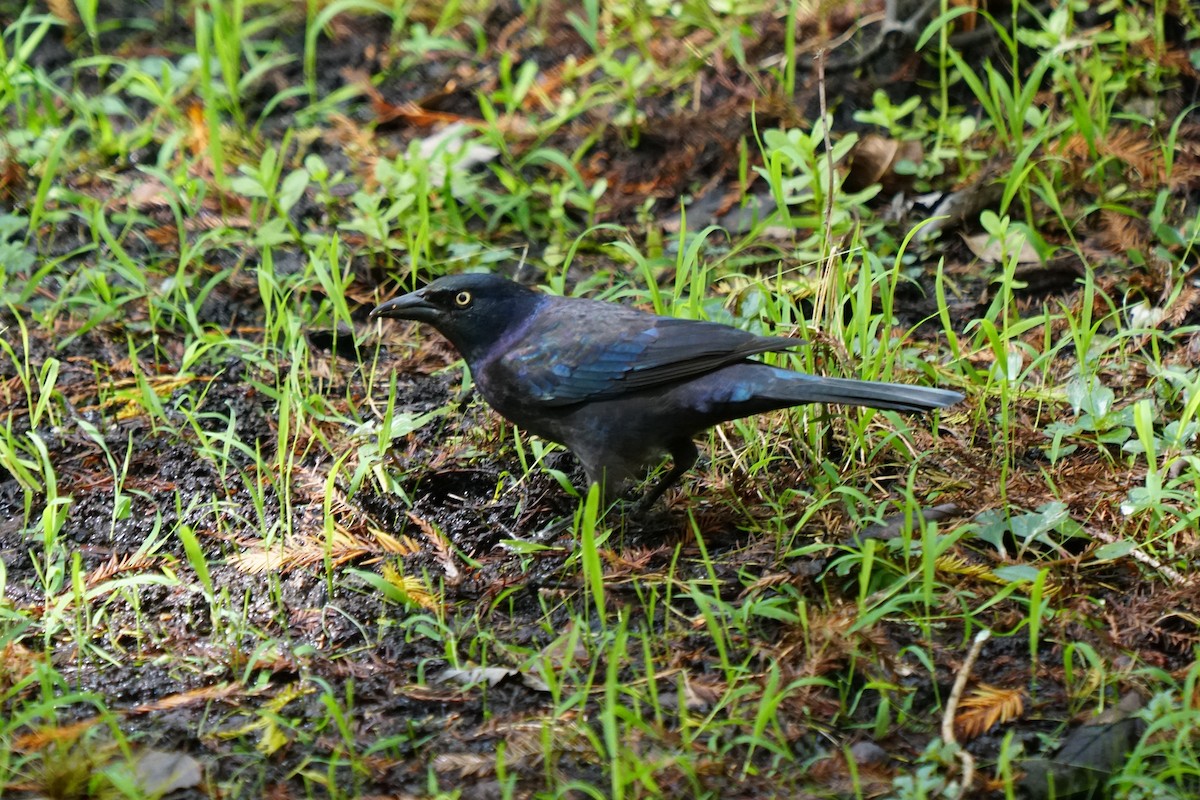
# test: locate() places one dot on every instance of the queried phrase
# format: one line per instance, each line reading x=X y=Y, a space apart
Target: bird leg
x=683 y=458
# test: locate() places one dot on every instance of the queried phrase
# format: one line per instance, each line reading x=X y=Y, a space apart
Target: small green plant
x=1097 y=420
x=798 y=171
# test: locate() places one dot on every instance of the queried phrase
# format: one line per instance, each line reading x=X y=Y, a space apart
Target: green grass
x=247 y=526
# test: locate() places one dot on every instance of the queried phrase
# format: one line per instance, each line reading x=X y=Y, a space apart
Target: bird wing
x=582 y=350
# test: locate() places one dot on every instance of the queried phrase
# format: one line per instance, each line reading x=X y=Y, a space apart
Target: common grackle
x=617 y=386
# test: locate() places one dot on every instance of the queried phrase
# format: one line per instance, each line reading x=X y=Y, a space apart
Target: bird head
x=473 y=311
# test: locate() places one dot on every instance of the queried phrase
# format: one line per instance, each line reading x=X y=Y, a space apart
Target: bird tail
x=872 y=394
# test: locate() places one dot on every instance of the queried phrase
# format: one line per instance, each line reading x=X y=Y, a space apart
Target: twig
x=1149 y=561
x=960 y=685
x=827 y=268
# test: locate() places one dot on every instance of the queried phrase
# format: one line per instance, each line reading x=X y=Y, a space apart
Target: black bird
x=617 y=386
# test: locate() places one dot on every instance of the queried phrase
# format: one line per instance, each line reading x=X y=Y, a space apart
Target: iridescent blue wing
x=579 y=350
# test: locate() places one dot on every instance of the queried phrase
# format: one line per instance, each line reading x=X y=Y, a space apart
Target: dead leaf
x=442 y=548
x=189 y=698
x=991 y=250
x=1087 y=757
x=413 y=588
x=465 y=764
x=874 y=159
x=158 y=772
x=471 y=676
x=986 y=706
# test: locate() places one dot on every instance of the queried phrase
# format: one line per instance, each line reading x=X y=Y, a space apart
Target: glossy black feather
x=617 y=386
x=586 y=350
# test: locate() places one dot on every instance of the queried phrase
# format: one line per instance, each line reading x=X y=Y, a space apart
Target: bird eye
x=462 y=299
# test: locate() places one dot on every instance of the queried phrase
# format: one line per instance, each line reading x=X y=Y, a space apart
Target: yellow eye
x=462 y=299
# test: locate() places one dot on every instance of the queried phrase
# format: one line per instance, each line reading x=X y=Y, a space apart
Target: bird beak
x=412 y=306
